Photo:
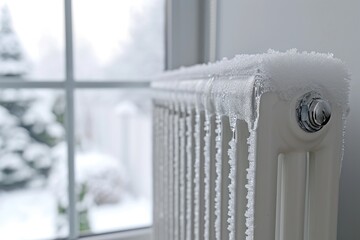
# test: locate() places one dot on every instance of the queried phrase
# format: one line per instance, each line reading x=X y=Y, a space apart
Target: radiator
x=249 y=148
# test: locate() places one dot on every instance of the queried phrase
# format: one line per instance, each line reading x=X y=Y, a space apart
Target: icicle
x=176 y=173
x=218 y=177
x=189 y=177
x=182 y=174
x=197 y=174
x=171 y=170
x=161 y=174
x=156 y=170
x=250 y=186
x=165 y=169
x=207 y=175
x=232 y=176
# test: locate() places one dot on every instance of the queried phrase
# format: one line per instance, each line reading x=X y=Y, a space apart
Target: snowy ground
x=31 y=215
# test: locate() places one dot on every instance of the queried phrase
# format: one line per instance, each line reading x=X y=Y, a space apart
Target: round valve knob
x=313 y=112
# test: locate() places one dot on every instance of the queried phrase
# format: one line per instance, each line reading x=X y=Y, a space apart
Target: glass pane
x=118 y=39
x=113 y=159
x=32 y=39
x=32 y=157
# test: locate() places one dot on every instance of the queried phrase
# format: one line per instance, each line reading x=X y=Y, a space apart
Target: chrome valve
x=313 y=112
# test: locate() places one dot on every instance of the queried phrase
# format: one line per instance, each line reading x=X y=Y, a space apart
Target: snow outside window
x=75 y=119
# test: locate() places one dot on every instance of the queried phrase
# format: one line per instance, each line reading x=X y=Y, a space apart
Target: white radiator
x=250 y=148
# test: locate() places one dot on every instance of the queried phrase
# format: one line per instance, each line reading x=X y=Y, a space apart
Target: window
x=123 y=44
x=75 y=122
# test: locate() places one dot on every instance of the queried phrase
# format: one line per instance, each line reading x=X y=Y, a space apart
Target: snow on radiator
x=250 y=148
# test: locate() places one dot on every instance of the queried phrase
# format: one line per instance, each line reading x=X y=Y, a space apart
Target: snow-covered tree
x=12 y=61
x=30 y=121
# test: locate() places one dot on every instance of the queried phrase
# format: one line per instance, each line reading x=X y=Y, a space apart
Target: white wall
x=253 y=26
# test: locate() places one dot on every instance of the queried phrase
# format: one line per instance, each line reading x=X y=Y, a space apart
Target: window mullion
x=70 y=128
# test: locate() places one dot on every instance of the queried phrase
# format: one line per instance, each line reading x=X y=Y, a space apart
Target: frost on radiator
x=197 y=173
x=282 y=72
x=234 y=88
x=207 y=174
x=218 y=183
x=232 y=190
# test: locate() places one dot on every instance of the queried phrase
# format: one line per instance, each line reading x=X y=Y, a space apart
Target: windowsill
x=136 y=234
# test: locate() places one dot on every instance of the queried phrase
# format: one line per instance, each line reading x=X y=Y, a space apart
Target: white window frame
x=192 y=32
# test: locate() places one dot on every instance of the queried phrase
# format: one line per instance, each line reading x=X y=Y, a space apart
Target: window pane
x=118 y=39
x=113 y=159
x=32 y=156
x=32 y=39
